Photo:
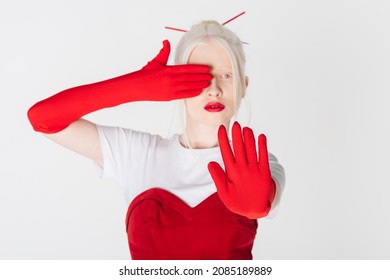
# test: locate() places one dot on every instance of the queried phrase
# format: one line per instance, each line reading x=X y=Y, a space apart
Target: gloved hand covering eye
x=154 y=82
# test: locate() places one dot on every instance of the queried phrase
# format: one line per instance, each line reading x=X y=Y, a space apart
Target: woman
x=190 y=196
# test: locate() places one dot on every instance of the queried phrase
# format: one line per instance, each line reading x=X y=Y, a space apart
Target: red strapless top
x=161 y=226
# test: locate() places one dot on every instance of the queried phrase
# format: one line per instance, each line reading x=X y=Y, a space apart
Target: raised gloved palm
x=246 y=186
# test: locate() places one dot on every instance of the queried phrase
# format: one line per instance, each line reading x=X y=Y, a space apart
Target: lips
x=214 y=107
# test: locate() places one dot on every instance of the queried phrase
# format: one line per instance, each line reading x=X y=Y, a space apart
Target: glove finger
x=250 y=145
x=192 y=77
x=191 y=68
x=226 y=150
x=162 y=57
x=238 y=144
x=188 y=93
x=263 y=153
x=190 y=85
x=219 y=178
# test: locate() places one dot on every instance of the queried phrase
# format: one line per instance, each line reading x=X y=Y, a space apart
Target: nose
x=214 y=89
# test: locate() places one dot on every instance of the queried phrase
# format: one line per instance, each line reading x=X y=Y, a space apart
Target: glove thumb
x=162 y=58
x=219 y=177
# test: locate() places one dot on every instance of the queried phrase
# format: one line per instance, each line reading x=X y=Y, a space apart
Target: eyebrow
x=222 y=69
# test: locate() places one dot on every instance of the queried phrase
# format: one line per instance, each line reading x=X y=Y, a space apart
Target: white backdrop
x=319 y=89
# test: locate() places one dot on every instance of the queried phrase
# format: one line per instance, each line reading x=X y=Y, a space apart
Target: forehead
x=211 y=54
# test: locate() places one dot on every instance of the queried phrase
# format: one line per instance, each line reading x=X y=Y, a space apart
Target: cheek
x=230 y=101
x=192 y=104
x=228 y=92
x=227 y=88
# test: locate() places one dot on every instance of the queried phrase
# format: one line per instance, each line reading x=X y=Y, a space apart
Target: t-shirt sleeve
x=114 y=143
x=124 y=155
x=277 y=173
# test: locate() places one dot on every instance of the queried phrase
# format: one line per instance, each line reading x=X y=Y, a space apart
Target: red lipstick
x=214 y=107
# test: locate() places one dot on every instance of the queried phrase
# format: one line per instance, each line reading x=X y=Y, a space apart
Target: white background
x=319 y=86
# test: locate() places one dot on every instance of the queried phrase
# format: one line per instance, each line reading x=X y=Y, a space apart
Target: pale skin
x=202 y=126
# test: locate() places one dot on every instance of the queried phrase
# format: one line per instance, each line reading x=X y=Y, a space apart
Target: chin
x=210 y=119
x=217 y=121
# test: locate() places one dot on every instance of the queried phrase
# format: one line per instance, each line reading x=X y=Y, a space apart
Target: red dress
x=161 y=226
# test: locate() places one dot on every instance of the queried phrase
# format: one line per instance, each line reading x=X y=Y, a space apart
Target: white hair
x=203 y=33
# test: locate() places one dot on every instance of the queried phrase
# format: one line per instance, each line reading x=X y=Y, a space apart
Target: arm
x=81 y=137
x=278 y=175
x=59 y=115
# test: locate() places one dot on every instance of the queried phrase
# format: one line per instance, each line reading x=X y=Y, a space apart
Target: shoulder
x=127 y=136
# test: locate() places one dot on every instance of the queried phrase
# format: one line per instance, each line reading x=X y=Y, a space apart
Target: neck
x=200 y=136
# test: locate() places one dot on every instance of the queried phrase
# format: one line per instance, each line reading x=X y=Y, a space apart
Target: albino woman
x=196 y=195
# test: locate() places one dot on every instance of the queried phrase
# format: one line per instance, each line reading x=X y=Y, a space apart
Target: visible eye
x=226 y=76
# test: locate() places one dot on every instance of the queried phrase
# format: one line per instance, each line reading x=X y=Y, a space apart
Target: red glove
x=246 y=187
x=154 y=82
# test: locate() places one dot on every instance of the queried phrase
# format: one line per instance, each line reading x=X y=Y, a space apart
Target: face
x=214 y=106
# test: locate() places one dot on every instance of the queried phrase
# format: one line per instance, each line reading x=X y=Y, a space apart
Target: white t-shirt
x=138 y=161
